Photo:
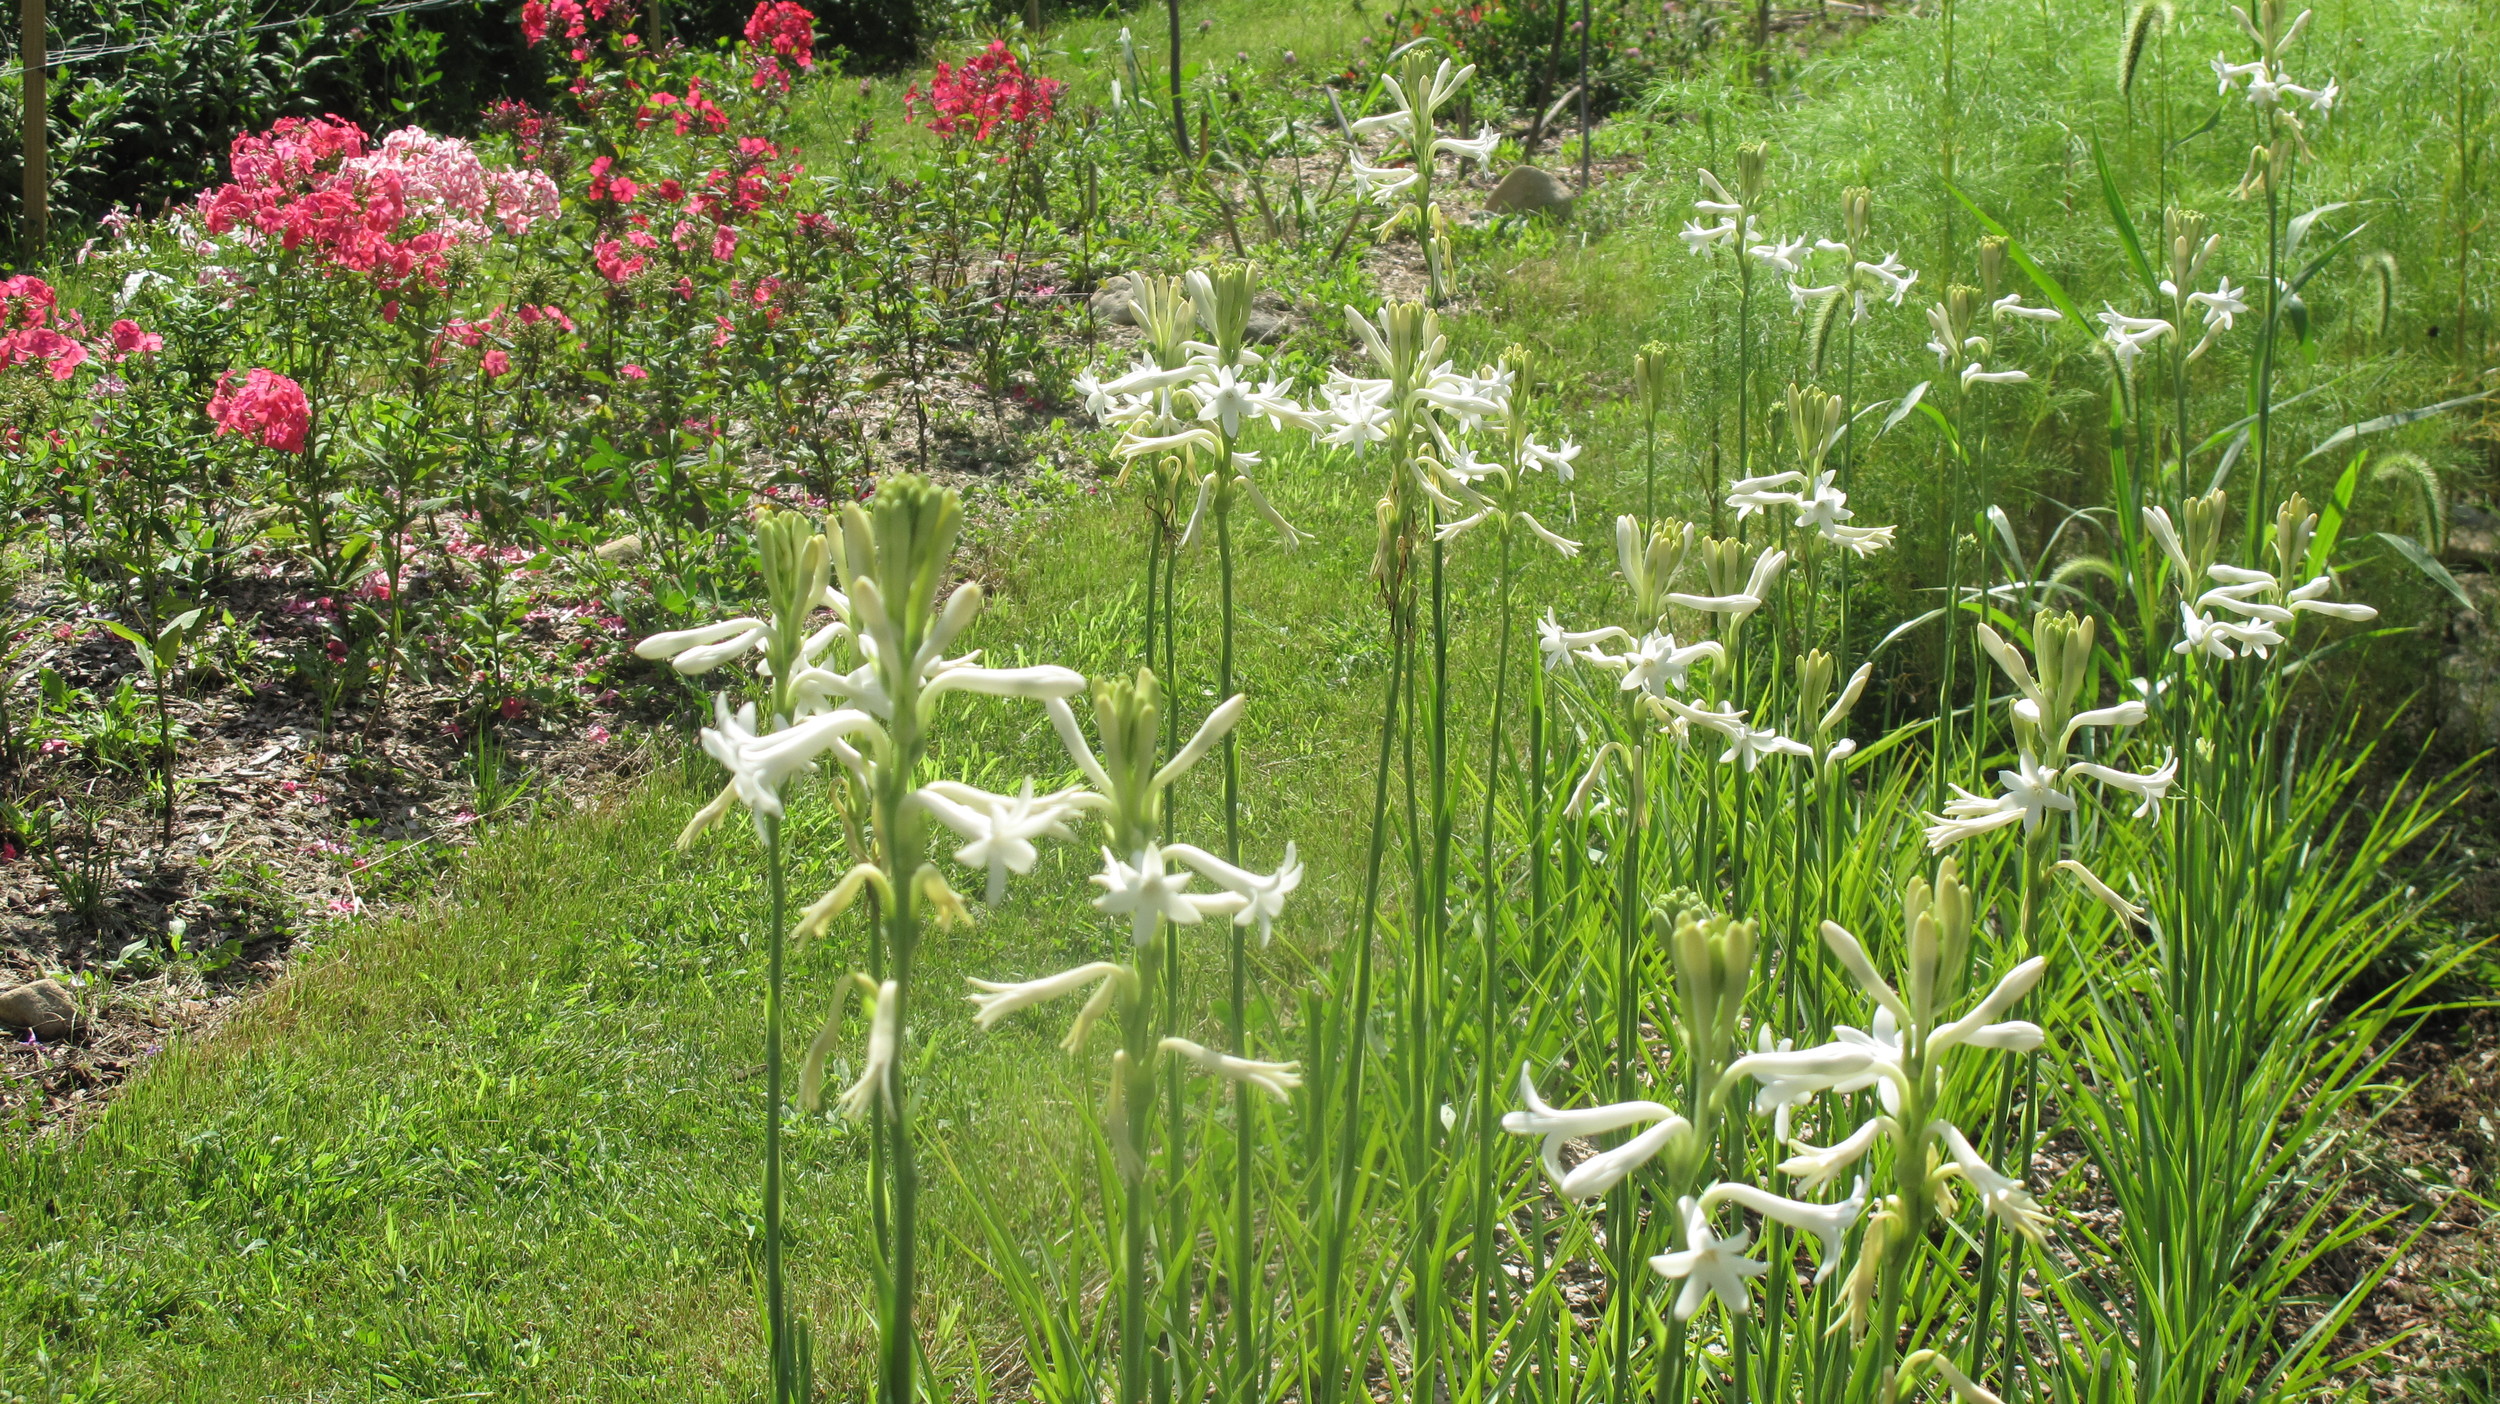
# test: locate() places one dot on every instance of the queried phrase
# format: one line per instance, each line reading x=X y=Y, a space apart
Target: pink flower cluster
x=691 y=113
x=27 y=333
x=392 y=212
x=266 y=408
x=576 y=18
x=989 y=89
x=443 y=182
x=779 y=32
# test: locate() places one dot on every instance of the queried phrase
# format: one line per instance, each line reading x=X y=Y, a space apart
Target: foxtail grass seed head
x=2137 y=37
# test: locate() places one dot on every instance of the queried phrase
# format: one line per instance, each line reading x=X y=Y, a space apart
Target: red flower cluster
x=266 y=408
x=27 y=335
x=574 y=15
x=690 y=113
x=527 y=125
x=128 y=340
x=990 y=88
x=779 y=31
x=605 y=187
x=613 y=263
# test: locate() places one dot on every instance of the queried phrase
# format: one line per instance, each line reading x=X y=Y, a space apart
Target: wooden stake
x=38 y=156
x=1584 y=97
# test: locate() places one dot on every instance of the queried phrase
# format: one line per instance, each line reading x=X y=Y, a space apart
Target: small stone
x=1264 y=326
x=1110 y=302
x=1529 y=190
x=43 y=1007
x=621 y=550
x=2473 y=536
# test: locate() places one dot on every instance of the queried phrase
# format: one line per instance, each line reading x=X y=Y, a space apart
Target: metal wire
x=64 y=57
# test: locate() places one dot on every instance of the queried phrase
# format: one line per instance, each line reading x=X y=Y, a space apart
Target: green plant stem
x=1488 y=973
x=1245 y=1254
x=776 y=1300
x=1328 y=1386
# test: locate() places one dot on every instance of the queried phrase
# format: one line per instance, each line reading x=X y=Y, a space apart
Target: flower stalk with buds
x=1420 y=90
x=1902 y=1056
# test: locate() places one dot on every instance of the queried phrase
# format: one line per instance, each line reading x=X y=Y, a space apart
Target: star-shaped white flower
x=1142 y=891
x=1709 y=1266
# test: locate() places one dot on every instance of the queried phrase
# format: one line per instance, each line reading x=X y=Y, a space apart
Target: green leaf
x=1951 y=439
x=2438 y=574
x=2125 y=226
x=1909 y=402
x=2296 y=231
x=2210 y=123
x=2397 y=420
x=2048 y=286
x=2321 y=260
x=2331 y=517
x=134 y=636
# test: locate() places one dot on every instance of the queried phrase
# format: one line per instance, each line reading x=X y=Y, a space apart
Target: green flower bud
x=1128 y=711
x=1751 y=161
x=2200 y=531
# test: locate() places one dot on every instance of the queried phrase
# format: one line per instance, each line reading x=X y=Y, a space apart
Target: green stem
x=1327 y=1388
x=1488 y=970
x=776 y=1306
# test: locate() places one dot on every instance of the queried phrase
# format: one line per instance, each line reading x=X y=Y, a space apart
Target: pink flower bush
x=779 y=32
x=392 y=212
x=27 y=333
x=266 y=408
x=130 y=340
x=991 y=88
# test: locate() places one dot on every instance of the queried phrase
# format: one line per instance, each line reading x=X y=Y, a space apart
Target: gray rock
x=622 y=549
x=2469 y=679
x=1265 y=326
x=43 y=1007
x=1529 y=190
x=1110 y=302
x=2473 y=536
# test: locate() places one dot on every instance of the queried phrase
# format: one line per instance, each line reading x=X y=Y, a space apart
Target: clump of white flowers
x=2244 y=611
x=1902 y=1056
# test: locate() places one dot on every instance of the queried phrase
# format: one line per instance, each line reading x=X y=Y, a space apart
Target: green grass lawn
x=505 y=1146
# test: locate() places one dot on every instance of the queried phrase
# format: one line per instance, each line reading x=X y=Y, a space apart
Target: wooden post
x=1180 y=115
x=1584 y=97
x=38 y=157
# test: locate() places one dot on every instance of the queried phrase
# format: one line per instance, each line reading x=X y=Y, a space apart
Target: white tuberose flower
x=1600 y=1172
x=1711 y=1266
x=1263 y=894
x=1275 y=1079
x=1829 y=1223
x=2030 y=793
x=1143 y=890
